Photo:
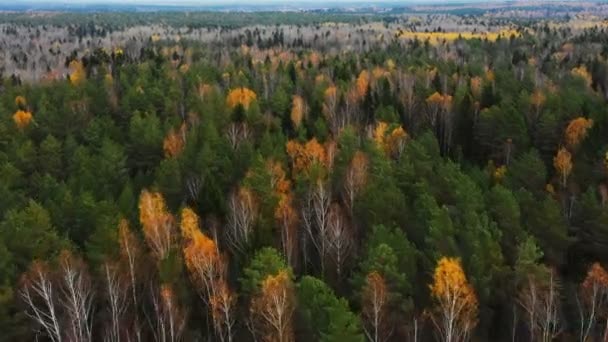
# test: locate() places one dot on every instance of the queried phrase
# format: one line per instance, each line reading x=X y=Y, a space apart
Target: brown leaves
x=240 y=96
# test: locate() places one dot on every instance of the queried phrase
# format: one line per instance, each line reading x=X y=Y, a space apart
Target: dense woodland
x=427 y=185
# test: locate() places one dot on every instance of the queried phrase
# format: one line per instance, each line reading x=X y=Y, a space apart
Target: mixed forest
x=404 y=178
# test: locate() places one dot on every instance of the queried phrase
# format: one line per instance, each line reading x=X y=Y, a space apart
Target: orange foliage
x=306 y=155
x=189 y=223
x=577 y=130
x=157 y=223
x=273 y=308
x=563 y=164
x=363 y=83
x=174 y=142
x=298 y=110
x=22 y=118
x=395 y=142
x=240 y=96
x=456 y=311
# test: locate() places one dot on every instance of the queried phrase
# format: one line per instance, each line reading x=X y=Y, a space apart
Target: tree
x=374 y=308
x=563 y=165
x=576 y=131
x=130 y=254
x=39 y=294
x=77 y=72
x=240 y=96
x=455 y=313
x=266 y=261
x=116 y=292
x=169 y=319
x=592 y=299
x=341 y=240
x=223 y=303
x=538 y=294
x=272 y=308
x=327 y=318
x=22 y=118
x=355 y=178
x=298 y=111
x=157 y=223
x=242 y=212
x=174 y=142
x=77 y=297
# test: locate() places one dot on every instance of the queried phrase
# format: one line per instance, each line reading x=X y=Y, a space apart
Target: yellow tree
x=303 y=156
x=576 y=131
x=298 y=110
x=272 y=308
x=395 y=142
x=591 y=299
x=563 y=165
x=157 y=223
x=240 y=96
x=362 y=84
x=222 y=311
x=375 y=308
x=77 y=72
x=22 y=118
x=455 y=312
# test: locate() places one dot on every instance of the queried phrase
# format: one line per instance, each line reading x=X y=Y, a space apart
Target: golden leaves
x=576 y=130
x=563 y=164
x=476 y=86
x=454 y=295
x=22 y=118
x=303 y=156
x=240 y=96
x=157 y=223
x=394 y=142
x=363 y=83
x=298 y=110
x=273 y=307
x=77 y=72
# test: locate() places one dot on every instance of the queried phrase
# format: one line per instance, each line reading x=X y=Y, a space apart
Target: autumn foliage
x=576 y=131
x=563 y=165
x=273 y=308
x=157 y=223
x=455 y=313
x=240 y=96
x=22 y=118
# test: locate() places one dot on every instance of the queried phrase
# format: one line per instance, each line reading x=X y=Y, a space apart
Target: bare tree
x=39 y=295
x=242 y=212
x=78 y=294
x=116 y=298
x=341 y=240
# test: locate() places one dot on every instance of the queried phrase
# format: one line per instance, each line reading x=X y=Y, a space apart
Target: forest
x=324 y=177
